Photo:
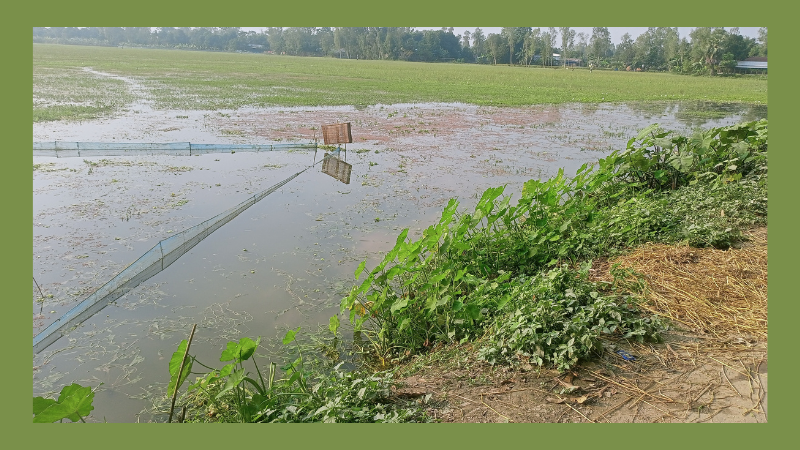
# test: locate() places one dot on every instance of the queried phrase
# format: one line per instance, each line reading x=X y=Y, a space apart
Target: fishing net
x=61 y=149
x=154 y=261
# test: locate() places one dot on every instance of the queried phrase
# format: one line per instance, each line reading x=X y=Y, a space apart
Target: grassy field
x=207 y=80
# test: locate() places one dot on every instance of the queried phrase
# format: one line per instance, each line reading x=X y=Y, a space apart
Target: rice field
x=208 y=81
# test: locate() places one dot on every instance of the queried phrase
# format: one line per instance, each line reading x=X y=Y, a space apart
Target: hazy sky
x=616 y=32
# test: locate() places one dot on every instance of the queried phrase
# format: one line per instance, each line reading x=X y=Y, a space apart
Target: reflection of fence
x=154 y=261
x=61 y=149
x=337 y=168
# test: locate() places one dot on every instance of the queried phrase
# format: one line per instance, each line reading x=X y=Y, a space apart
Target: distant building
x=755 y=63
x=571 y=62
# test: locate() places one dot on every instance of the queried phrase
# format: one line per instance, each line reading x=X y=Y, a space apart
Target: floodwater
x=287 y=260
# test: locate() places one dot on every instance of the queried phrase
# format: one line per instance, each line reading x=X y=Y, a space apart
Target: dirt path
x=682 y=380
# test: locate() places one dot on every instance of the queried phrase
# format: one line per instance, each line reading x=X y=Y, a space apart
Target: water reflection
x=336 y=168
x=697 y=114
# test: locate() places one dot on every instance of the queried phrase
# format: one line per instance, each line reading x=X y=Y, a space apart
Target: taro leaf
x=459 y=274
x=503 y=300
x=401 y=238
x=445 y=244
x=664 y=142
x=241 y=351
x=74 y=402
x=360 y=268
x=394 y=271
x=742 y=149
x=397 y=306
x=443 y=301
x=403 y=324
x=449 y=210
x=41 y=403
x=175 y=367
x=473 y=311
x=334 y=324
x=227 y=370
x=530 y=188
x=682 y=162
x=210 y=378
x=290 y=336
x=233 y=380
x=645 y=133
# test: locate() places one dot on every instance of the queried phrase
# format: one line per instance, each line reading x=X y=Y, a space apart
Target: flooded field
x=288 y=260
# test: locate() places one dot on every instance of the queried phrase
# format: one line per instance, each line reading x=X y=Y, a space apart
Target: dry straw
x=719 y=293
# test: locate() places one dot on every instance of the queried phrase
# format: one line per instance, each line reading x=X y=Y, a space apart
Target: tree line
x=707 y=50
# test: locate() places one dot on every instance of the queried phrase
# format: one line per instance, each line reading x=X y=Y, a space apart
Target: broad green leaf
x=645 y=133
x=41 y=403
x=394 y=271
x=227 y=369
x=403 y=324
x=445 y=244
x=210 y=377
x=399 y=305
x=401 y=238
x=473 y=311
x=503 y=300
x=334 y=324
x=459 y=274
x=74 y=402
x=290 y=336
x=175 y=366
x=241 y=351
x=233 y=380
x=360 y=268
x=430 y=303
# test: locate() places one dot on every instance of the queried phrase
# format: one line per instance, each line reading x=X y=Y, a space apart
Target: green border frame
x=410 y=12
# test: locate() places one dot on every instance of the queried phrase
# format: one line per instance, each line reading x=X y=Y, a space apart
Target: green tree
x=547 y=47
x=567 y=42
x=530 y=45
x=552 y=36
x=478 y=44
x=581 y=46
x=600 y=43
x=762 y=39
x=275 y=38
x=625 y=50
x=495 y=44
x=510 y=36
x=465 y=39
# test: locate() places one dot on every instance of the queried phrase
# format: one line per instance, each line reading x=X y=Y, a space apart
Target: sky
x=616 y=32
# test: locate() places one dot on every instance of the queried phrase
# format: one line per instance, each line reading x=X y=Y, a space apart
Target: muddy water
x=287 y=260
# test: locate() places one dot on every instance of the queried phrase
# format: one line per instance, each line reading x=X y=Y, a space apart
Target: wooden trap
x=338 y=133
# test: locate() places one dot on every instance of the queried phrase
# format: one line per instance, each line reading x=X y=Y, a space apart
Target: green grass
x=207 y=80
x=70 y=92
